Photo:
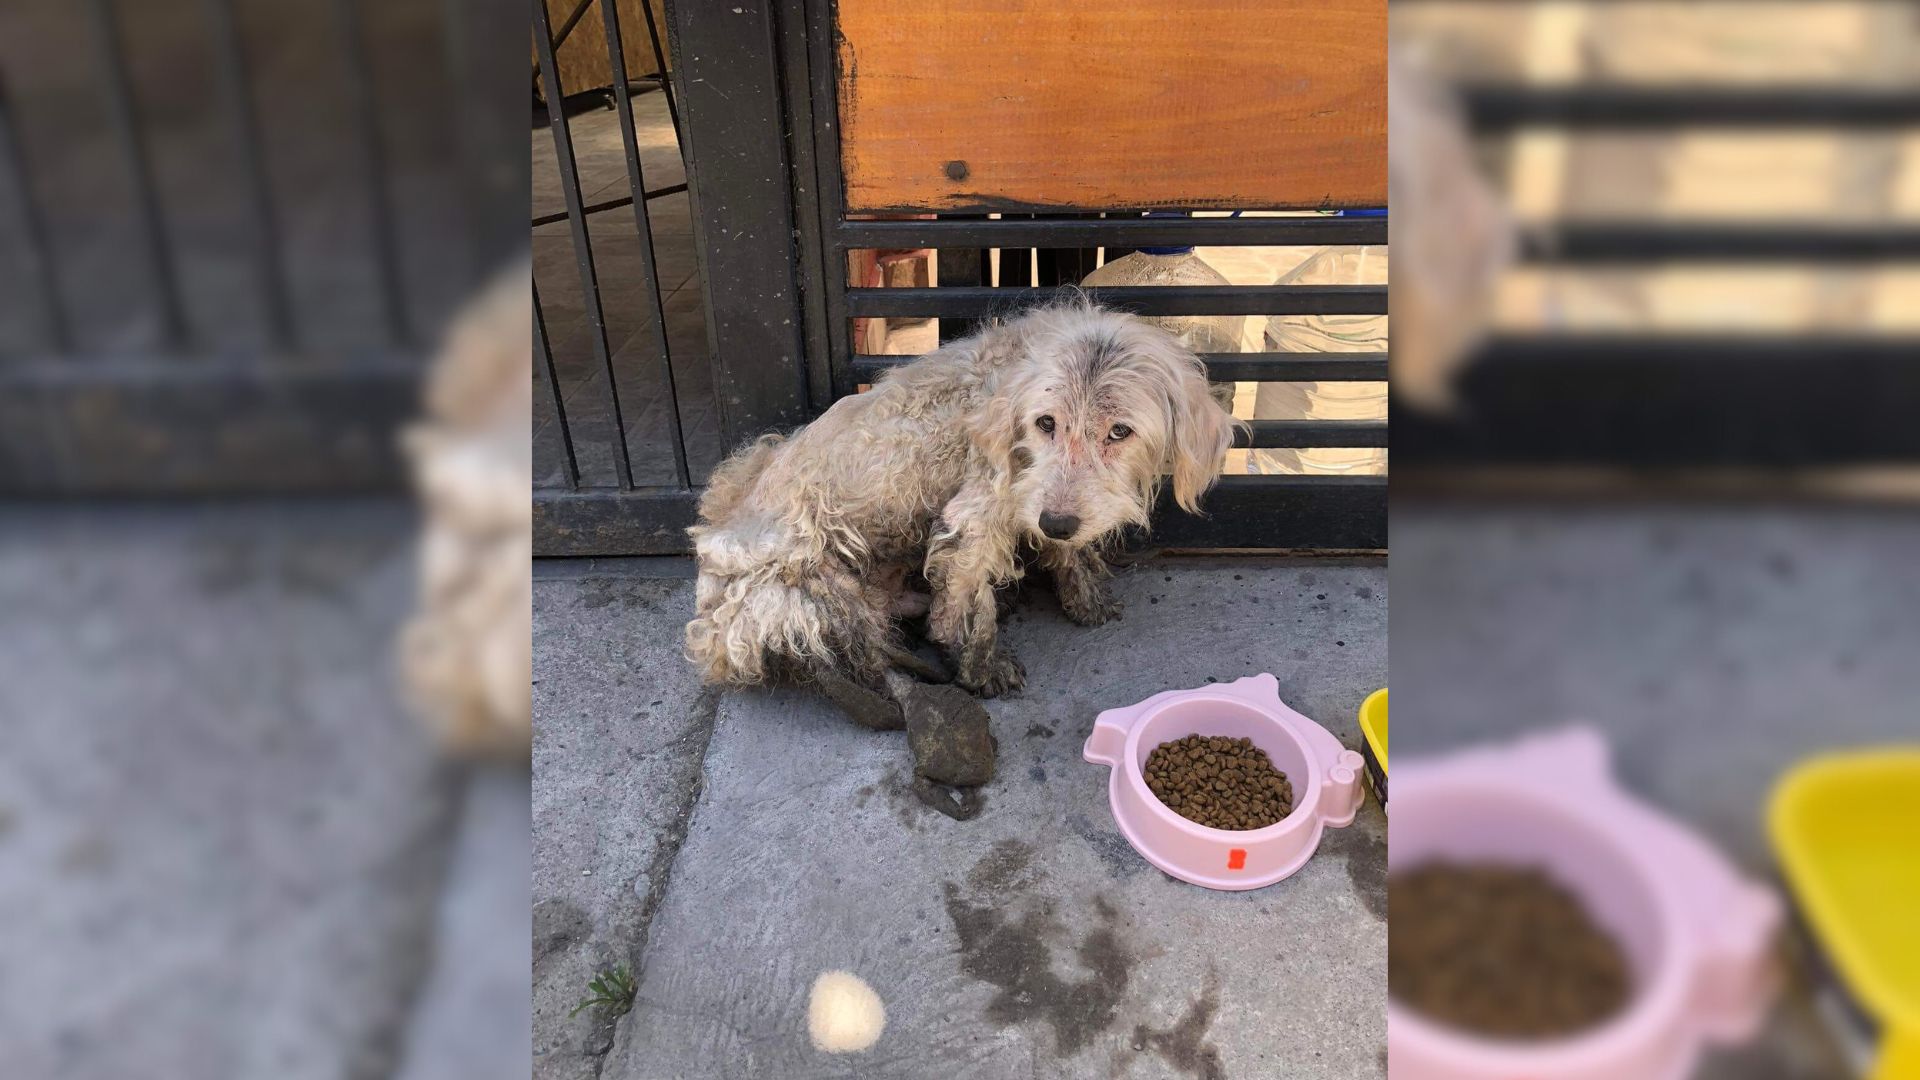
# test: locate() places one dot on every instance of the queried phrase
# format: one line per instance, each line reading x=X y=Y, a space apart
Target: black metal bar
x=582 y=244
x=193 y=424
x=1681 y=401
x=572 y=20
x=1226 y=367
x=645 y=521
x=1142 y=299
x=610 y=204
x=1016 y=263
x=246 y=137
x=1502 y=107
x=737 y=164
x=666 y=78
x=958 y=266
x=456 y=55
x=126 y=119
x=1303 y=434
x=1285 y=512
x=373 y=160
x=1296 y=367
x=1241 y=513
x=812 y=254
x=649 y=275
x=1636 y=242
x=34 y=249
x=1134 y=232
x=553 y=390
x=1112 y=252
x=829 y=184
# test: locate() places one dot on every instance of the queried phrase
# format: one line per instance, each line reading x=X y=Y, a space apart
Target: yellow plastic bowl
x=1847 y=829
x=1373 y=728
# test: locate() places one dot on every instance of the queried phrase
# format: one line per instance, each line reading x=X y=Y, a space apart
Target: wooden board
x=1113 y=104
x=583 y=58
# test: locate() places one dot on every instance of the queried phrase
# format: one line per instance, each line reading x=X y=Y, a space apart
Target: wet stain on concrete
x=1015 y=956
x=1111 y=848
x=907 y=807
x=1037 y=774
x=1008 y=861
x=1365 y=852
x=1184 y=1045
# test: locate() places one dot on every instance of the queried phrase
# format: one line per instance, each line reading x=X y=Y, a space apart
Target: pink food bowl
x=1325 y=775
x=1696 y=934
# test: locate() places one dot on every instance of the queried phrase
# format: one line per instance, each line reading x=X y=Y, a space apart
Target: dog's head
x=1095 y=409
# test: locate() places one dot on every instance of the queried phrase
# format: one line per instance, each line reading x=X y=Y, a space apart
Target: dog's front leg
x=1079 y=580
x=966 y=560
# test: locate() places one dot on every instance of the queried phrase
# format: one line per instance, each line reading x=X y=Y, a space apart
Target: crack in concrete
x=659 y=872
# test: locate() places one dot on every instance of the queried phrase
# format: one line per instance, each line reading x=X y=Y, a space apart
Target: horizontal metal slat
x=1113 y=232
x=1223 y=367
x=1304 y=434
x=1241 y=512
x=644 y=521
x=1296 y=367
x=1676 y=402
x=1634 y=242
x=1504 y=107
x=1287 y=512
x=610 y=204
x=181 y=424
x=970 y=301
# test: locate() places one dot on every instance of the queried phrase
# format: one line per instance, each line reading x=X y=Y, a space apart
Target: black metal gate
x=1674 y=401
x=228 y=233
x=756 y=101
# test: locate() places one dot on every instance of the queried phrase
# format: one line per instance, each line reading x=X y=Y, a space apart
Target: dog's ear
x=1202 y=431
x=994 y=430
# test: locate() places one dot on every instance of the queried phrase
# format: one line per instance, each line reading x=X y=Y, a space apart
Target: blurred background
x=232 y=236
x=1672 y=490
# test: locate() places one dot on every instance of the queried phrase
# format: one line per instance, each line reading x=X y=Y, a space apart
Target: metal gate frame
x=183 y=415
x=758 y=96
x=1685 y=401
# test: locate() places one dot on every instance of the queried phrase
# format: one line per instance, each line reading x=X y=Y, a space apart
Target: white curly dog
x=1045 y=435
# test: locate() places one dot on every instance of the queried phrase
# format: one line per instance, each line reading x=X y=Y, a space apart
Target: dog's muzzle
x=1059 y=526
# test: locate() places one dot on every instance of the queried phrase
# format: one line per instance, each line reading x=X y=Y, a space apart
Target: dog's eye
x=1120 y=431
x=1046 y=424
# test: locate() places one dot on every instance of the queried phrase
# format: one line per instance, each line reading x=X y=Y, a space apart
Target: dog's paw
x=1000 y=675
x=1092 y=609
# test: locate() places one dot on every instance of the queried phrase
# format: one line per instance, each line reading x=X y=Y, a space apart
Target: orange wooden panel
x=1113 y=104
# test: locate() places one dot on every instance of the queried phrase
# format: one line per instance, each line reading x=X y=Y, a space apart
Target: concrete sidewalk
x=1031 y=941
x=225 y=849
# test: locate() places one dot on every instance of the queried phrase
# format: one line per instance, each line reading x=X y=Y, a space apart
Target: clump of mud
x=953 y=747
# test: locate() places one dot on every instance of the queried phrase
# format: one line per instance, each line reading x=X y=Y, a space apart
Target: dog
x=466 y=655
x=1048 y=433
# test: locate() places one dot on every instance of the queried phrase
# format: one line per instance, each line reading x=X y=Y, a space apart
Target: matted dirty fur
x=1049 y=433
x=466 y=655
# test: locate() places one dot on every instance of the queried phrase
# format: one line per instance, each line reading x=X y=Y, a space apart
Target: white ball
x=844 y=1015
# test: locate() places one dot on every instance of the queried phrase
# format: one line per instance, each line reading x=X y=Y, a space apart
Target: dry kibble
x=1500 y=951
x=1219 y=782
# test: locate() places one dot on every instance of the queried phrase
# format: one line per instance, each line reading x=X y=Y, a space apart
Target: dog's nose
x=1059 y=526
